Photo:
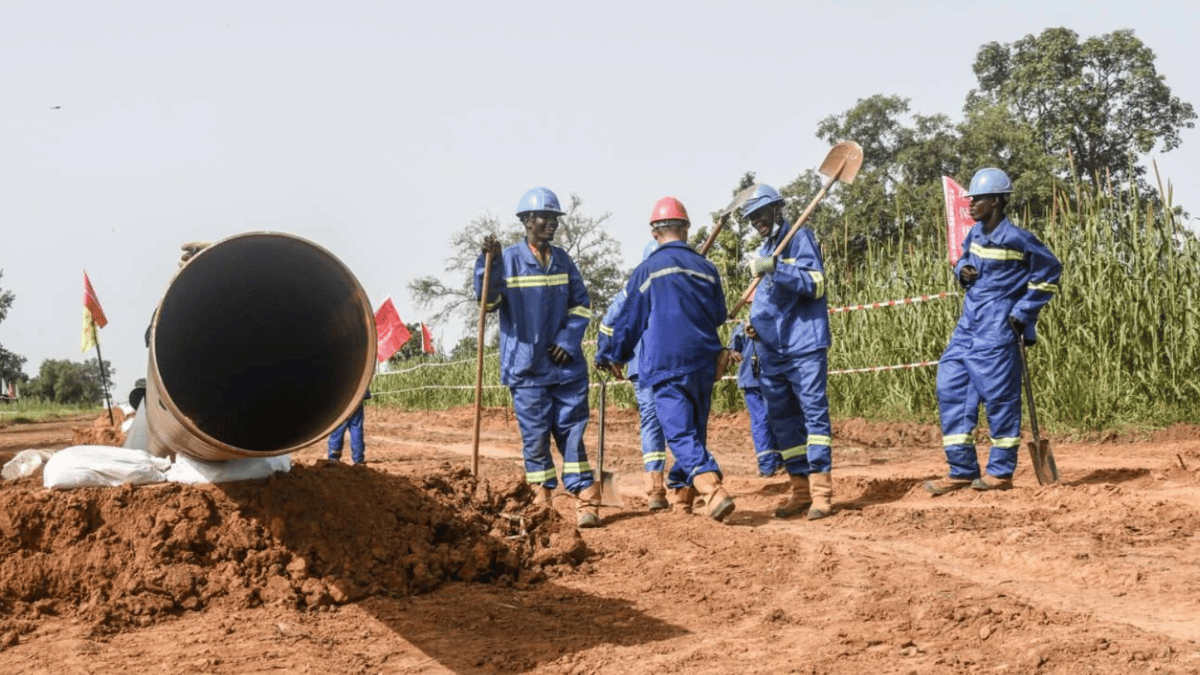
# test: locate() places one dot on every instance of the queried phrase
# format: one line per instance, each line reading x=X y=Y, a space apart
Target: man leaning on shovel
x=1009 y=275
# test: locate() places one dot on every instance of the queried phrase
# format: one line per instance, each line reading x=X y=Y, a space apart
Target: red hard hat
x=669 y=208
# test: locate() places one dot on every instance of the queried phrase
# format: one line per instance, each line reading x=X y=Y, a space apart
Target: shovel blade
x=610 y=495
x=843 y=162
x=1044 y=466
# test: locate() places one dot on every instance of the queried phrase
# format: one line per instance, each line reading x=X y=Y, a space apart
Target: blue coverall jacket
x=680 y=336
x=790 y=313
x=538 y=307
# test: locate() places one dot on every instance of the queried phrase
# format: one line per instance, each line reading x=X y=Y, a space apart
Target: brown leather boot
x=990 y=482
x=684 y=498
x=799 y=501
x=587 y=506
x=822 y=494
x=541 y=494
x=945 y=484
x=656 y=491
x=717 y=501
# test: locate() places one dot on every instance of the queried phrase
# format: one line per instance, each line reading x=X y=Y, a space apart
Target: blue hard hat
x=763 y=195
x=539 y=199
x=650 y=248
x=989 y=181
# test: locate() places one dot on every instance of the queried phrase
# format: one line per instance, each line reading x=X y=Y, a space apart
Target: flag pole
x=103 y=376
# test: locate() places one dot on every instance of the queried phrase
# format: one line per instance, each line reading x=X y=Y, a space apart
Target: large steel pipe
x=263 y=343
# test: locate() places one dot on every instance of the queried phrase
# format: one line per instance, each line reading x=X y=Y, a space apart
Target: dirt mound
x=320 y=535
x=860 y=432
x=102 y=431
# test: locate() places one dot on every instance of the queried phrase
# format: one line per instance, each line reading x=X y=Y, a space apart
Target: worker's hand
x=190 y=249
x=491 y=245
x=1018 y=327
x=751 y=333
x=558 y=355
x=762 y=266
x=968 y=275
x=735 y=356
x=610 y=368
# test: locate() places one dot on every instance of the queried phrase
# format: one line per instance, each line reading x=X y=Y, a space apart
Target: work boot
x=541 y=494
x=656 y=491
x=946 y=484
x=587 y=506
x=799 y=500
x=822 y=496
x=717 y=501
x=990 y=482
x=684 y=498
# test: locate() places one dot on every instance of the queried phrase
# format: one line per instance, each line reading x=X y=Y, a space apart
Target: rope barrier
x=894 y=303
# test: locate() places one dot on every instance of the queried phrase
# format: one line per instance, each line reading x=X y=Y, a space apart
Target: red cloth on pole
x=958 y=216
x=93 y=303
x=426 y=339
x=391 y=331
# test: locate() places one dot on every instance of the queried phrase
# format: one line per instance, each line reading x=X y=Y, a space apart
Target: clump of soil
x=102 y=431
x=319 y=535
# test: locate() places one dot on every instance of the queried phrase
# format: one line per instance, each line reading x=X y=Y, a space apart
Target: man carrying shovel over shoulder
x=790 y=320
x=544 y=309
x=1009 y=275
x=674 y=304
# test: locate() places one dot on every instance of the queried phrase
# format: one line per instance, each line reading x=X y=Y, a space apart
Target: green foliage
x=412 y=349
x=1099 y=101
x=11 y=365
x=595 y=252
x=68 y=382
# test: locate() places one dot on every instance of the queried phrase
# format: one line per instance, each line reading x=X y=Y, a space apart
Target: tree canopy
x=11 y=365
x=63 y=381
x=583 y=237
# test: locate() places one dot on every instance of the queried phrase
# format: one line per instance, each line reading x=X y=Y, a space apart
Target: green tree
x=11 y=365
x=733 y=247
x=583 y=237
x=63 y=381
x=412 y=349
x=1099 y=102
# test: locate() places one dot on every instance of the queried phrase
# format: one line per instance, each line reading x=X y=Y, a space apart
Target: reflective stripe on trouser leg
x=787 y=422
x=958 y=409
x=683 y=404
x=809 y=380
x=997 y=375
x=570 y=402
x=561 y=412
x=765 y=448
x=654 y=448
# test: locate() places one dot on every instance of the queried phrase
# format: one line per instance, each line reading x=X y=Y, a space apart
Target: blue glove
x=763 y=265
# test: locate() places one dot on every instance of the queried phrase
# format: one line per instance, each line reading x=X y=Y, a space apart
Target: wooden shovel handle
x=483 y=299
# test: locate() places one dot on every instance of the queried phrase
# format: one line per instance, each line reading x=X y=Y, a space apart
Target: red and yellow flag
x=93 y=314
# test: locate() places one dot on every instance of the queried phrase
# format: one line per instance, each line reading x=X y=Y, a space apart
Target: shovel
x=723 y=216
x=1040 y=455
x=842 y=163
x=609 y=494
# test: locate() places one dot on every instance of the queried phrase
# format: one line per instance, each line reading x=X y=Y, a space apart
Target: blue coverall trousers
x=798 y=408
x=358 y=446
x=683 y=404
x=654 y=446
x=966 y=376
x=766 y=451
x=560 y=412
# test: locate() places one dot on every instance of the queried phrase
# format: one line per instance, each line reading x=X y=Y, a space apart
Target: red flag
x=958 y=216
x=391 y=330
x=93 y=303
x=426 y=339
x=93 y=314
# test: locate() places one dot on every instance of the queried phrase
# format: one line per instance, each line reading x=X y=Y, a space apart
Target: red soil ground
x=409 y=565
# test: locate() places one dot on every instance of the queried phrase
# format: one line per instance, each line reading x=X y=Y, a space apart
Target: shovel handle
x=600 y=434
x=487 y=273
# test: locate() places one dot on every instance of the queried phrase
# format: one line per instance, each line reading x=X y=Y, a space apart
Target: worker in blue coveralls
x=674 y=305
x=358 y=446
x=654 y=446
x=789 y=319
x=544 y=310
x=744 y=351
x=1009 y=275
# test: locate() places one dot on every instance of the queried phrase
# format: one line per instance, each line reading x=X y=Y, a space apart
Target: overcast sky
x=376 y=129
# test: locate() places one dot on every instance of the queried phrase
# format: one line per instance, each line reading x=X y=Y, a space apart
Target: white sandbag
x=126 y=424
x=189 y=470
x=25 y=463
x=102 y=466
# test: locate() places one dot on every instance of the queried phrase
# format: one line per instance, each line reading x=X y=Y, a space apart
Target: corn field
x=1119 y=346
